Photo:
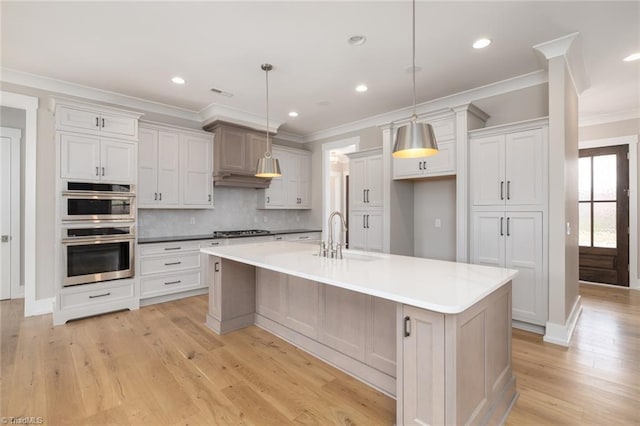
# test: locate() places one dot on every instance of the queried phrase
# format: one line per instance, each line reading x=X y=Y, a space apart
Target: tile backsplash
x=235 y=208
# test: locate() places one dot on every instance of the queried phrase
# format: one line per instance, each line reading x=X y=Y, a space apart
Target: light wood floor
x=160 y=365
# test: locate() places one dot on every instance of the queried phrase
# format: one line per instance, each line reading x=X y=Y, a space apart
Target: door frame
x=327 y=147
x=29 y=104
x=632 y=141
x=15 y=135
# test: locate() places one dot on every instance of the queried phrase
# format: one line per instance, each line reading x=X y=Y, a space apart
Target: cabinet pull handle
x=215 y=244
x=424 y=166
x=420 y=165
x=268 y=199
x=364 y=220
x=364 y=195
x=171 y=263
x=97 y=122
x=368 y=195
x=172 y=248
x=501 y=223
x=155 y=196
x=217 y=267
x=173 y=282
x=407 y=326
x=304 y=238
x=508 y=191
x=367 y=221
x=502 y=190
x=103 y=123
x=97 y=171
x=279 y=238
x=103 y=171
x=160 y=196
x=508 y=221
x=100 y=295
x=209 y=197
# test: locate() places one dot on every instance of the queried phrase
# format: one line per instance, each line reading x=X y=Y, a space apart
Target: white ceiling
x=135 y=48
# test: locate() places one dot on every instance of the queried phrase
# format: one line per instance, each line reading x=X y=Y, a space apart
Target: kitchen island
x=435 y=335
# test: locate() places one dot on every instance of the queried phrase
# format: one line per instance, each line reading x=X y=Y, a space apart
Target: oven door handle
x=97 y=240
x=79 y=194
x=94 y=196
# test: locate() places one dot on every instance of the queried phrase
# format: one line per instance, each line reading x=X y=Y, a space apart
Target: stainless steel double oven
x=98 y=232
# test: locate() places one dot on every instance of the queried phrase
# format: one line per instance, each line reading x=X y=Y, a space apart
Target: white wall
x=613 y=130
x=519 y=105
x=435 y=199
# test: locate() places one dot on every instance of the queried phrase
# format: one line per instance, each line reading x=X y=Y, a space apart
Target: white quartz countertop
x=446 y=287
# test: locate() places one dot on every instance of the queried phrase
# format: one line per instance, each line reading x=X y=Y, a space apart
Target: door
x=10 y=213
x=524 y=153
x=487 y=164
x=118 y=161
x=604 y=215
x=80 y=157
x=147 y=167
x=197 y=171
x=168 y=168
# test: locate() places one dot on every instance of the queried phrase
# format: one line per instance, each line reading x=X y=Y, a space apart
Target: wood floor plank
x=162 y=365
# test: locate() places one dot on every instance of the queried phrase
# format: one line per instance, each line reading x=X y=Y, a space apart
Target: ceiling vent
x=221 y=92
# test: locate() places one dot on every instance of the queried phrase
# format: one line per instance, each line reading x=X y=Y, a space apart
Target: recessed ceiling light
x=357 y=40
x=632 y=57
x=481 y=43
x=293 y=114
x=178 y=80
x=361 y=88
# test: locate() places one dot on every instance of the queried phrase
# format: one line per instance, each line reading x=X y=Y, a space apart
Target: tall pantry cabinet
x=508 y=196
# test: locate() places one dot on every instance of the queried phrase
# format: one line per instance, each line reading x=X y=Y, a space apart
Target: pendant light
x=268 y=167
x=415 y=139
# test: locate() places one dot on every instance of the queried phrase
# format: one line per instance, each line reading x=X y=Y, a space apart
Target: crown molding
x=85 y=92
x=586 y=120
x=569 y=47
x=215 y=112
x=452 y=101
x=291 y=137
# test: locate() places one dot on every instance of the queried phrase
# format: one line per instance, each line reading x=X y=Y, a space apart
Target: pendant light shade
x=267 y=167
x=415 y=139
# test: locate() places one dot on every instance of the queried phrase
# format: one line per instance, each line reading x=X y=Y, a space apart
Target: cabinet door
x=374 y=234
x=524 y=252
x=80 y=157
x=214 y=281
x=487 y=238
x=168 y=168
x=233 y=150
x=147 y=167
x=342 y=316
x=444 y=162
x=423 y=368
x=275 y=195
x=292 y=180
x=373 y=181
x=487 y=170
x=256 y=148
x=270 y=294
x=118 y=161
x=357 y=230
x=78 y=119
x=302 y=303
x=357 y=182
x=381 y=335
x=197 y=169
x=117 y=125
x=304 y=181
x=524 y=153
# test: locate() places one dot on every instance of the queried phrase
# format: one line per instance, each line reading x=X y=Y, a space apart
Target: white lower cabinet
x=514 y=240
x=168 y=268
x=365 y=230
x=355 y=325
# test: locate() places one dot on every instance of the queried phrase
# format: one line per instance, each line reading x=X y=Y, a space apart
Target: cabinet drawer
x=83 y=298
x=177 y=262
x=169 y=283
x=306 y=236
x=249 y=240
x=213 y=243
x=168 y=248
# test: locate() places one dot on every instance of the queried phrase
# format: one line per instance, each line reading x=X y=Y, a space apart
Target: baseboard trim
x=534 y=328
x=560 y=334
x=39 y=307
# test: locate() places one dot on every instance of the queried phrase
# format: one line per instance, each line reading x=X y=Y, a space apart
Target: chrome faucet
x=330 y=249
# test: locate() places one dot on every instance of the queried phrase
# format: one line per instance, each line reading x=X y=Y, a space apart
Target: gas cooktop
x=241 y=233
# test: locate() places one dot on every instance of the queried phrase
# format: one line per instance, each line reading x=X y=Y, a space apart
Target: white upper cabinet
x=92 y=159
x=292 y=190
x=365 y=181
x=441 y=164
x=87 y=119
x=508 y=168
x=175 y=168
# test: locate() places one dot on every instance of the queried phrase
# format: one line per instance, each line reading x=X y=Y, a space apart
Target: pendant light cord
x=413 y=52
x=267 y=78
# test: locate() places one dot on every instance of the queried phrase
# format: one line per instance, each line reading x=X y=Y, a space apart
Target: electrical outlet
x=192 y=220
x=264 y=219
x=568 y=228
x=438 y=223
